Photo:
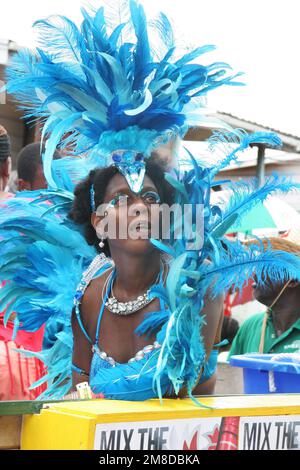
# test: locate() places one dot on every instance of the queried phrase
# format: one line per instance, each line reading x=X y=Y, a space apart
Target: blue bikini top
x=134 y=380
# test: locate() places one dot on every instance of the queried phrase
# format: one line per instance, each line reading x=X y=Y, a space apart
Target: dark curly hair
x=81 y=210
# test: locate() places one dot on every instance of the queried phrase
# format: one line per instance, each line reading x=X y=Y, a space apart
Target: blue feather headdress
x=102 y=88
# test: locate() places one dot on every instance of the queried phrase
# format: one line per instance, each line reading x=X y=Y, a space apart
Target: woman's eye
x=151 y=197
x=119 y=200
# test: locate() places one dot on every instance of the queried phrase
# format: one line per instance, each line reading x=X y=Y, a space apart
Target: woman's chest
x=115 y=334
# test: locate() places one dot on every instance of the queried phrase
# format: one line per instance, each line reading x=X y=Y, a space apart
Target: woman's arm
x=82 y=353
x=214 y=313
x=211 y=332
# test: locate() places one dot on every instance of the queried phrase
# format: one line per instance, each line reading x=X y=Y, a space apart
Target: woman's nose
x=138 y=207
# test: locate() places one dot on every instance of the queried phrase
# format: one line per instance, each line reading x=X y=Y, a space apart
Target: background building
x=10 y=117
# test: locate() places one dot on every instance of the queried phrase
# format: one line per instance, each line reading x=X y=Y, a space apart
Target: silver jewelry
x=102 y=238
x=137 y=357
x=98 y=262
x=102 y=244
x=144 y=352
x=127 y=308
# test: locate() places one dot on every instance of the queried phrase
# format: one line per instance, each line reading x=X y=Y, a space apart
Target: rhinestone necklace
x=127 y=308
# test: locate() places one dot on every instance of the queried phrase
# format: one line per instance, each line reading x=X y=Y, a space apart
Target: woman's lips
x=143 y=226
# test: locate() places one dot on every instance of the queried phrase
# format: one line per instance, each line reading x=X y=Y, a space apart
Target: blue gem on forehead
x=116 y=158
x=132 y=165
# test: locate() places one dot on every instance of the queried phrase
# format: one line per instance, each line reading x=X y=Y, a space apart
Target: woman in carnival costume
x=146 y=312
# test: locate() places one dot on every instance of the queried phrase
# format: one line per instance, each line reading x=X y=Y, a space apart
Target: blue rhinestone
x=128 y=156
x=117 y=158
x=139 y=157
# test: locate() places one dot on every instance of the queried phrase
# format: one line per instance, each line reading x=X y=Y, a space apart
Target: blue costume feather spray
x=43 y=256
x=216 y=267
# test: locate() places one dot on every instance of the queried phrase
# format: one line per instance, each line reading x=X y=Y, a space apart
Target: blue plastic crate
x=269 y=373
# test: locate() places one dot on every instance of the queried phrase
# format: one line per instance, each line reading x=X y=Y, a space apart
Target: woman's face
x=128 y=219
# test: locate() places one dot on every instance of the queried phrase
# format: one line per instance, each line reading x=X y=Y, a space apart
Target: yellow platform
x=267 y=421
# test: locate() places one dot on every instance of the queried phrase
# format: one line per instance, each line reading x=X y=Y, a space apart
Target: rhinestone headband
x=92 y=198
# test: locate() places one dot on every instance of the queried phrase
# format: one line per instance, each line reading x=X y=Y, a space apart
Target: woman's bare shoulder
x=94 y=293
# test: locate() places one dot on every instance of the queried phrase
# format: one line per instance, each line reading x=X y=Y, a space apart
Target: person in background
x=5 y=161
x=229 y=331
x=277 y=330
x=17 y=372
x=13 y=182
x=30 y=168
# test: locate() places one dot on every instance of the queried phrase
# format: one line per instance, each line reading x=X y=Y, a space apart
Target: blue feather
x=244 y=197
x=235 y=271
x=152 y=322
x=133 y=382
x=222 y=142
x=142 y=53
x=61 y=37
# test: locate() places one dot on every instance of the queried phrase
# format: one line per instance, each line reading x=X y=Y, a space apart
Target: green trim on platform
x=10 y=408
x=15 y=408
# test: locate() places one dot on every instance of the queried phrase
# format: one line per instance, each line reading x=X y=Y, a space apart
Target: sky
x=258 y=37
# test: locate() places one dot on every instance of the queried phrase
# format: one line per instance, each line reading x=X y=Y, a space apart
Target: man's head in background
x=5 y=158
x=30 y=169
x=268 y=292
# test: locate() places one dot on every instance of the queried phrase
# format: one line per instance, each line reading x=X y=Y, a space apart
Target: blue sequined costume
x=138 y=386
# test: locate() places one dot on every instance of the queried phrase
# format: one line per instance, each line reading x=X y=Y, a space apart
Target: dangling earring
x=102 y=238
x=102 y=244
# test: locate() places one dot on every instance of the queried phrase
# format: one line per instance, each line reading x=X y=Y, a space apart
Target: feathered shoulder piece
x=115 y=83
